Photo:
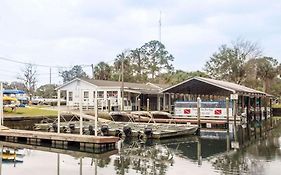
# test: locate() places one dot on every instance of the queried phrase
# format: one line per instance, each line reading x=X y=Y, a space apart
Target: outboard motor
x=71 y=127
x=118 y=133
x=104 y=130
x=127 y=131
x=91 y=130
x=55 y=127
x=148 y=132
x=140 y=135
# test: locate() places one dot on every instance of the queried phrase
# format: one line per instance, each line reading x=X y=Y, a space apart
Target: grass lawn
x=276 y=106
x=29 y=111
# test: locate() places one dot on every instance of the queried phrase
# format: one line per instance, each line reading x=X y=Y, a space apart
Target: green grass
x=29 y=111
x=276 y=106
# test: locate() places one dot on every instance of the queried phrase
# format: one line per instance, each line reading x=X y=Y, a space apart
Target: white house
x=109 y=94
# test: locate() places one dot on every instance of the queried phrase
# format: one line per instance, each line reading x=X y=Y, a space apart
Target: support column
x=227 y=114
x=255 y=117
x=147 y=104
x=96 y=113
x=164 y=101
x=270 y=113
x=58 y=105
x=169 y=105
x=248 y=118
x=81 y=111
x=198 y=115
x=261 y=123
x=158 y=102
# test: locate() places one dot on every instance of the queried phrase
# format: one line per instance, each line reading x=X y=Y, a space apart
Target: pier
x=58 y=139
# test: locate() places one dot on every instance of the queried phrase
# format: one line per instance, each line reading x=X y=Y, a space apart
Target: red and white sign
x=218 y=112
x=186 y=111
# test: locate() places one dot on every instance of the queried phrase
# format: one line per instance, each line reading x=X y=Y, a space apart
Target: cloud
x=69 y=32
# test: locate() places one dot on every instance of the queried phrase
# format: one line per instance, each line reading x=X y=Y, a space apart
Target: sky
x=83 y=32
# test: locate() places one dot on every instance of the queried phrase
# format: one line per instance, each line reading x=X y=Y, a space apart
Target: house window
x=86 y=94
x=100 y=94
x=70 y=96
x=112 y=94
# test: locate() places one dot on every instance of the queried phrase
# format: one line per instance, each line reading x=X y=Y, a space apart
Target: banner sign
x=210 y=108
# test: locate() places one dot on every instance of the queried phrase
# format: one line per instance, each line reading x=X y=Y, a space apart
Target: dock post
x=1 y=104
x=227 y=114
x=81 y=111
x=58 y=104
x=198 y=115
x=255 y=116
x=108 y=105
x=96 y=113
x=199 y=152
x=147 y=104
x=260 y=117
x=58 y=164
x=81 y=166
x=270 y=113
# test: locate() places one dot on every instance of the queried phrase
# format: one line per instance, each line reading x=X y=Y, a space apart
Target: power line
x=39 y=65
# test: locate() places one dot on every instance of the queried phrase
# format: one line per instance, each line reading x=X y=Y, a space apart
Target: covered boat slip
x=246 y=105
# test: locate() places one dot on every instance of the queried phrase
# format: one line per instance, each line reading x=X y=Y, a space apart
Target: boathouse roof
x=144 y=88
x=207 y=86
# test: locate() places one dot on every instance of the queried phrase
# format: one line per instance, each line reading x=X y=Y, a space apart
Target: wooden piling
x=198 y=115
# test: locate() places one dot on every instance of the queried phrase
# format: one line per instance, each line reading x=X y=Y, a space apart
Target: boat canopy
x=13 y=91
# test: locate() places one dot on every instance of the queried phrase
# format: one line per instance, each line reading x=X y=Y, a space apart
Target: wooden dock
x=58 y=139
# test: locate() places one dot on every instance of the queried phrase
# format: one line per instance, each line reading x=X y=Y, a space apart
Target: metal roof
x=207 y=86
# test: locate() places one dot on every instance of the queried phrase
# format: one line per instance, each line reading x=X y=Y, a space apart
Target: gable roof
x=148 y=88
x=207 y=86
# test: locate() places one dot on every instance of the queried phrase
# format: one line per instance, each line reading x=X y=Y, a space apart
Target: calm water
x=170 y=157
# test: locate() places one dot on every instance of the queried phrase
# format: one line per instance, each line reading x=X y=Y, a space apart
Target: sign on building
x=208 y=109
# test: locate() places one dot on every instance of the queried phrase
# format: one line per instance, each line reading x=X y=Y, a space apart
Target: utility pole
x=50 y=75
x=160 y=25
x=93 y=73
x=122 y=85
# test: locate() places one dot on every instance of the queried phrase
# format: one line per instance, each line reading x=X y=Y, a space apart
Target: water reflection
x=201 y=155
x=253 y=159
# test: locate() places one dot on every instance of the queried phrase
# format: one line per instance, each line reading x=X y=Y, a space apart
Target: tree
x=179 y=76
x=29 y=79
x=47 y=91
x=75 y=72
x=157 y=58
x=102 y=71
x=139 y=63
x=267 y=69
x=126 y=57
x=229 y=62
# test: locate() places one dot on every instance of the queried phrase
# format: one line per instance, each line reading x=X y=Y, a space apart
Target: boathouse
x=246 y=105
x=109 y=94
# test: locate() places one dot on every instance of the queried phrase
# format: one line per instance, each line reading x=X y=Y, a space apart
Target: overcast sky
x=70 y=32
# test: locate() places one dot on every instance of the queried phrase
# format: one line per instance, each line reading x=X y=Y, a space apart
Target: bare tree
x=29 y=78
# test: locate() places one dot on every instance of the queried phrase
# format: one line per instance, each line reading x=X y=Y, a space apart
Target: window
x=86 y=94
x=100 y=94
x=70 y=96
x=112 y=94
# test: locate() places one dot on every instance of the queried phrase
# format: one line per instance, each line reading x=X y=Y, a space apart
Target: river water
x=189 y=155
